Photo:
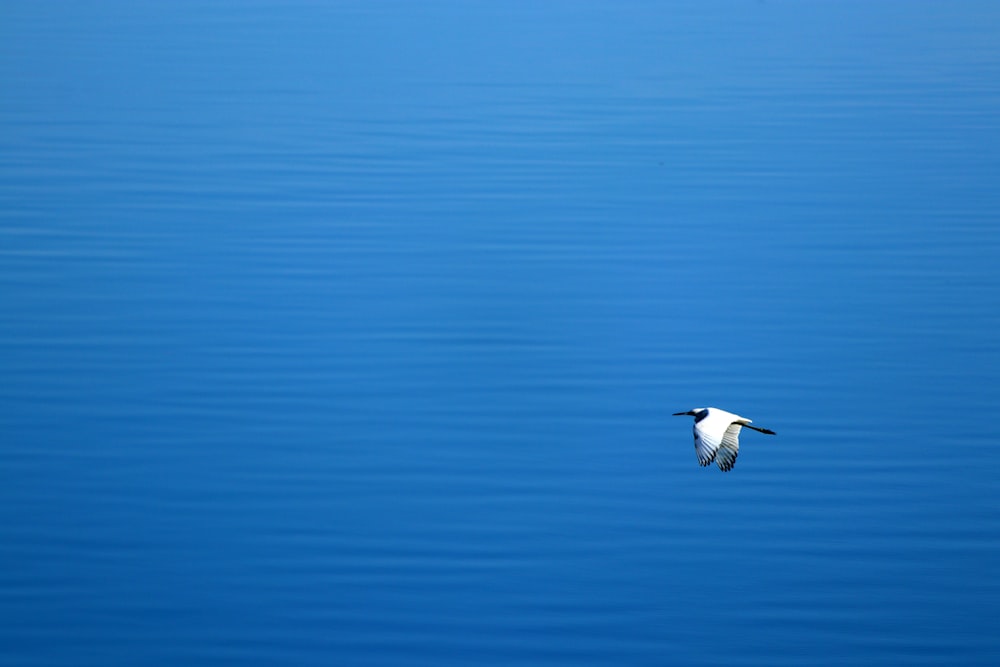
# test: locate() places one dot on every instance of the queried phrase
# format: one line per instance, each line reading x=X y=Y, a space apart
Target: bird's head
x=696 y=412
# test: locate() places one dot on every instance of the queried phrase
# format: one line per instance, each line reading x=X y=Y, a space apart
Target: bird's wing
x=707 y=438
x=729 y=449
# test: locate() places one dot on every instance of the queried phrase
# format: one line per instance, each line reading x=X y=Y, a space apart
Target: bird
x=716 y=435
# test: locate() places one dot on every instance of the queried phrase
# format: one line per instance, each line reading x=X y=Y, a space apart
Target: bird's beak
x=681 y=414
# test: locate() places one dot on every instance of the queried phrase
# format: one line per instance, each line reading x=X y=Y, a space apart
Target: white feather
x=716 y=436
x=729 y=449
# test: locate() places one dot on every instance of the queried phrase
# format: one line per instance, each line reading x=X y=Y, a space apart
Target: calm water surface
x=349 y=333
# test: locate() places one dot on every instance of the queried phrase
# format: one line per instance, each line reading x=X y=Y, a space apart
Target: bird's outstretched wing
x=706 y=441
x=729 y=449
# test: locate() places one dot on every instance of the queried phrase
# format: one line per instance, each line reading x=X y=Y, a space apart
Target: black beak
x=680 y=414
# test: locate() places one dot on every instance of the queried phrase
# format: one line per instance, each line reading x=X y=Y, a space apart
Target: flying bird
x=716 y=435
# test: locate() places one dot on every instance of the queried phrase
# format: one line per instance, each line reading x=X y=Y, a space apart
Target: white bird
x=716 y=435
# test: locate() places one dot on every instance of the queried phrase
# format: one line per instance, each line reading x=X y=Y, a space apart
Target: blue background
x=349 y=333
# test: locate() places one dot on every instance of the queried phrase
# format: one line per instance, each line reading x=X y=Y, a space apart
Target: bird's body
x=716 y=435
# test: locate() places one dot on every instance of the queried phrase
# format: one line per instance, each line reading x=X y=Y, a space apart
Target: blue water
x=349 y=333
